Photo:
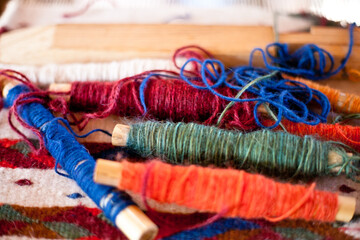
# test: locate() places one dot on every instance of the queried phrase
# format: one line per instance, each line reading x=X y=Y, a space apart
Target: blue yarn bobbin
x=70 y=155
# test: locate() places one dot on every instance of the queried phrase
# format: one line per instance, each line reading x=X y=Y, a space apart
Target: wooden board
x=322 y=35
x=108 y=42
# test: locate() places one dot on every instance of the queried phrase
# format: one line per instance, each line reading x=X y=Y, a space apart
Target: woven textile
x=36 y=202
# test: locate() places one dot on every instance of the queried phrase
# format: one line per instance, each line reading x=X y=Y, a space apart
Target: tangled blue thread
x=288 y=98
x=309 y=61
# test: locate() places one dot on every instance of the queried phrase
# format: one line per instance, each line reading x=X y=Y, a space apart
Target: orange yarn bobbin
x=354 y=75
x=350 y=135
x=341 y=102
x=237 y=193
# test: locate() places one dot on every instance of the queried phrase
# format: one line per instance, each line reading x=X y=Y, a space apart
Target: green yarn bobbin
x=273 y=153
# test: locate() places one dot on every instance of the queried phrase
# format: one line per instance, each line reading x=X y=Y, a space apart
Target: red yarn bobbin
x=166 y=99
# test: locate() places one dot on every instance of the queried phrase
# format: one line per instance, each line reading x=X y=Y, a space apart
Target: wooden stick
x=8 y=85
x=120 y=136
x=60 y=87
x=109 y=173
x=131 y=220
x=135 y=224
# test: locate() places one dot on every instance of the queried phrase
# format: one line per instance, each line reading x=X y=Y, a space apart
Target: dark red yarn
x=24 y=182
x=166 y=99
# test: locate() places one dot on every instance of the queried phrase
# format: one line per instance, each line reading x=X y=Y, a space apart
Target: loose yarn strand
x=241 y=92
x=295 y=207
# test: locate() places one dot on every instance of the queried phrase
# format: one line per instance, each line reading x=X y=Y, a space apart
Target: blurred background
x=285 y=15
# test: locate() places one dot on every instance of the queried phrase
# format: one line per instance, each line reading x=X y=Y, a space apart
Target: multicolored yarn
x=340 y=102
x=163 y=102
x=58 y=221
x=226 y=191
x=287 y=98
x=274 y=153
x=84 y=223
x=69 y=154
x=309 y=61
x=208 y=77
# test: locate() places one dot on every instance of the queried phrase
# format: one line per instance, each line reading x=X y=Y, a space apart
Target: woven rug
x=35 y=202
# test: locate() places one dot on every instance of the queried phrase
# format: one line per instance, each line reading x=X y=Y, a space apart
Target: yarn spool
x=165 y=99
x=162 y=98
x=76 y=161
x=231 y=192
x=349 y=135
x=272 y=153
x=340 y=101
x=105 y=71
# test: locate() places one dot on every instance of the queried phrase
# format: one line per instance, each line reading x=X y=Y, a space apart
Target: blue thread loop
x=309 y=61
x=288 y=98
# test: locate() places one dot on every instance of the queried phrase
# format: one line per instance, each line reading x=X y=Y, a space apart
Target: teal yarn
x=272 y=153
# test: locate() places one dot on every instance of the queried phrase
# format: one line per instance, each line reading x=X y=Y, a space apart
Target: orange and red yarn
x=231 y=192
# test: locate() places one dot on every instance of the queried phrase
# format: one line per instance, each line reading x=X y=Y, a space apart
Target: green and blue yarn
x=272 y=153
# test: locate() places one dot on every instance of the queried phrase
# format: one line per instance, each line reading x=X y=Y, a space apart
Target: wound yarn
x=209 y=75
x=68 y=153
x=227 y=191
x=271 y=153
x=349 y=135
x=353 y=74
x=106 y=71
x=166 y=99
x=340 y=102
x=172 y=99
